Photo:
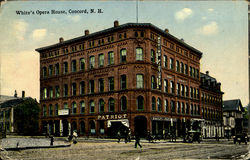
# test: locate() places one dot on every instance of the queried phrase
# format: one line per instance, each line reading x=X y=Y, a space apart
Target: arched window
x=178 y=107
x=111 y=58
x=153 y=82
x=91 y=62
x=172 y=105
x=82 y=87
x=187 y=108
x=177 y=66
x=111 y=105
x=172 y=87
x=171 y=65
x=123 y=103
x=153 y=104
x=192 y=109
x=50 y=110
x=92 y=127
x=50 y=92
x=186 y=90
x=65 y=67
x=101 y=105
x=92 y=106
x=182 y=90
x=165 y=85
x=44 y=110
x=82 y=127
x=50 y=70
x=182 y=107
x=166 y=105
x=159 y=104
x=186 y=69
x=65 y=106
x=82 y=105
x=139 y=54
x=182 y=67
x=73 y=66
x=57 y=91
x=65 y=90
x=56 y=109
x=44 y=72
x=73 y=89
x=123 y=55
x=152 y=56
x=74 y=107
x=82 y=64
x=139 y=81
x=101 y=60
x=44 y=93
x=140 y=103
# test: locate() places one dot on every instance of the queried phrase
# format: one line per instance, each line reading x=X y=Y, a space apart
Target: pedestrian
x=51 y=140
x=126 y=136
x=75 y=137
x=129 y=135
x=118 y=136
x=137 y=140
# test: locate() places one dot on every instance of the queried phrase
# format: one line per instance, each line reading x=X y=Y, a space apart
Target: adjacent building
x=133 y=76
x=233 y=117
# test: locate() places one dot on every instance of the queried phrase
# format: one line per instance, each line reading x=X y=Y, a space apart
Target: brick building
x=133 y=76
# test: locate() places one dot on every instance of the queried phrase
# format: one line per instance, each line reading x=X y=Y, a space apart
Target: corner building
x=134 y=76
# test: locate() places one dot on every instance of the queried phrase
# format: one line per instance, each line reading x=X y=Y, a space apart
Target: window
x=152 y=56
x=165 y=86
x=178 y=108
x=125 y=35
x=91 y=62
x=182 y=67
x=65 y=106
x=198 y=110
x=139 y=54
x=44 y=72
x=153 y=82
x=139 y=81
x=182 y=90
x=140 y=103
x=186 y=91
x=172 y=105
x=111 y=105
x=165 y=61
x=123 y=103
x=50 y=92
x=171 y=63
x=56 y=109
x=91 y=86
x=177 y=66
x=172 y=87
x=57 y=91
x=197 y=74
x=101 y=105
x=166 y=105
x=92 y=106
x=82 y=105
x=153 y=104
x=192 y=109
x=136 y=34
x=111 y=58
x=74 y=108
x=187 y=108
x=194 y=92
x=82 y=87
x=186 y=69
x=182 y=107
x=101 y=60
x=44 y=93
x=142 y=34
x=159 y=104
x=50 y=110
x=123 y=53
x=191 y=71
x=73 y=89
x=65 y=67
x=191 y=92
x=57 y=69
x=111 y=84
x=73 y=66
x=178 y=89
x=50 y=70
x=65 y=90
x=82 y=64
x=101 y=85
x=44 y=110
x=123 y=82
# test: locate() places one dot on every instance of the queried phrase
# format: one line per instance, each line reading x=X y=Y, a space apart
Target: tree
x=26 y=116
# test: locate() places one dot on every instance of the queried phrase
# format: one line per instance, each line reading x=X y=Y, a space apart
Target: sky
x=219 y=29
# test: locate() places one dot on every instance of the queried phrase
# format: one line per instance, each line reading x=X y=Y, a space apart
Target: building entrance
x=141 y=126
x=115 y=127
x=65 y=128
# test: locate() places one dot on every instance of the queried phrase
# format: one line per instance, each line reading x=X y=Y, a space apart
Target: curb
x=36 y=147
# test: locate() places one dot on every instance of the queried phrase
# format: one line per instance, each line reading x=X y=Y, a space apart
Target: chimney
x=116 y=23
x=166 y=30
x=61 y=39
x=182 y=39
x=15 y=95
x=86 y=32
x=23 y=94
x=207 y=72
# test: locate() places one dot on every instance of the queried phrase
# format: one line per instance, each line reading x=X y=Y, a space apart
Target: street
x=110 y=150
